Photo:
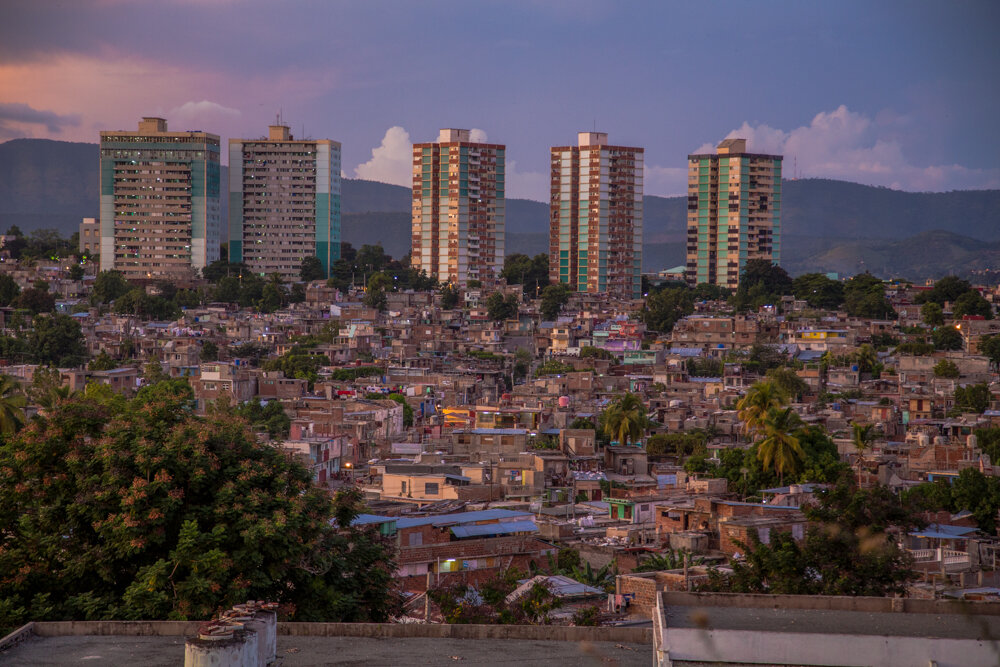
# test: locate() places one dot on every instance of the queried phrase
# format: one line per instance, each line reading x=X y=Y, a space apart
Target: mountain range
x=826 y=225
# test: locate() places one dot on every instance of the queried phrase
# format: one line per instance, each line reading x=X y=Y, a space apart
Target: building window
x=431 y=488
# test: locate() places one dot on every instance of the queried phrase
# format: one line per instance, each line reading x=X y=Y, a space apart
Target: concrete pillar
x=237 y=648
x=270 y=638
x=260 y=618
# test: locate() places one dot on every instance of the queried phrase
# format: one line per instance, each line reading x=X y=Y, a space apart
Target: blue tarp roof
x=686 y=351
x=460 y=518
x=488 y=529
x=367 y=519
x=943 y=531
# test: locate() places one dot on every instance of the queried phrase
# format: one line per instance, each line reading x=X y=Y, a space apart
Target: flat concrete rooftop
x=302 y=651
x=889 y=624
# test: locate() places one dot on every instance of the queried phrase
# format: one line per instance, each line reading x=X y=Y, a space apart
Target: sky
x=903 y=94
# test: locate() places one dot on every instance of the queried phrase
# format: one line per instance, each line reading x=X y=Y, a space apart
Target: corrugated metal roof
x=367 y=519
x=943 y=531
x=460 y=518
x=488 y=529
x=499 y=431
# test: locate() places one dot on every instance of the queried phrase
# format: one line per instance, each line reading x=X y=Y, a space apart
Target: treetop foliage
x=149 y=512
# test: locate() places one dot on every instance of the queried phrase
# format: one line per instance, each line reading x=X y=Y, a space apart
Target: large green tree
x=138 y=303
x=946 y=338
x=312 y=269
x=972 y=303
x=222 y=268
x=56 y=340
x=819 y=291
x=554 y=297
x=788 y=382
x=864 y=296
x=35 y=300
x=848 y=549
x=945 y=290
x=109 y=285
x=9 y=290
x=665 y=307
x=990 y=347
x=152 y=513
x=500 y=308
x=973 y=398
x=271 y=417
x=449 y=297
x=532 y=273
x=761 y=283
x=932 y=314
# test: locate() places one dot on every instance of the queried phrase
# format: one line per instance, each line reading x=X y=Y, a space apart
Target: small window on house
x=416 y=539
x=431 y=488
x=402 y=488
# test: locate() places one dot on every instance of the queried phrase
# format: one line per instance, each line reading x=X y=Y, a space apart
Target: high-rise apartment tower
x=284 y=202
x=734 y=212
x=160 y=213
x=595 y=217
x=458 y=208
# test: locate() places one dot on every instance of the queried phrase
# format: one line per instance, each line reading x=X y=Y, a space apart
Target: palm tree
x=54 y=397
x=12 y=404
x=862 y=436
x=779 y=446
x=755 y=405
x=625 y=420
x=603 y=578
x=866 y=358
x=668 y=559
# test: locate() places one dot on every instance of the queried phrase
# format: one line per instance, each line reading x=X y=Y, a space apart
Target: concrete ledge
x=829 y=602
x=119 y=628
x=624 y=635
x=17 y=636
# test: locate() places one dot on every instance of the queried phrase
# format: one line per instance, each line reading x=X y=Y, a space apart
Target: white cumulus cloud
x=846 y=145
x=392 y=160
x=664 y=181
x=204 y=110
